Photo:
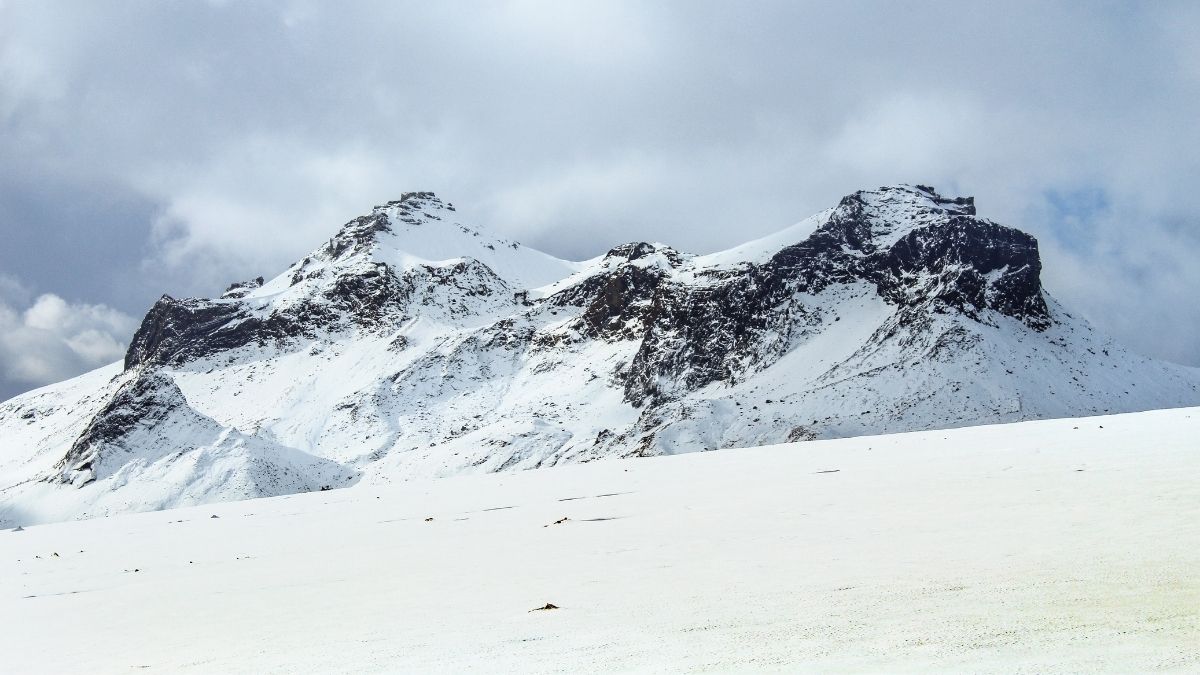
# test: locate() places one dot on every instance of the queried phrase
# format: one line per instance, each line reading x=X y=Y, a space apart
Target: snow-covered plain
x=1050 y=546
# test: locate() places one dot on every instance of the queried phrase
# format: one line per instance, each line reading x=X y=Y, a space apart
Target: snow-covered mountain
x=411 y=345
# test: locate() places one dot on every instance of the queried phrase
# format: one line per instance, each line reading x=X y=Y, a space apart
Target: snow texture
x=1059 y=546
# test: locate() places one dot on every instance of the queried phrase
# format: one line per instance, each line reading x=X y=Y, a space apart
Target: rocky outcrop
x=143 y=402
x=174 y=331
x=339 y=286
x=927 y=253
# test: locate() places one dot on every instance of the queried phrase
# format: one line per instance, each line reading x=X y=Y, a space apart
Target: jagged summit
x=411 y=344
x=885 y=215
x=920 y=248
x=413 y=209
x=920 y=196
x=893 y=208
x=421 y=230
x=411 y=203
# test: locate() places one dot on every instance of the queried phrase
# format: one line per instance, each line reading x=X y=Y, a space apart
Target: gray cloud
x=51 y=339
x=150 y=147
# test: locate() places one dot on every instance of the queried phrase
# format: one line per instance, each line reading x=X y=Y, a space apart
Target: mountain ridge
x=412 y=345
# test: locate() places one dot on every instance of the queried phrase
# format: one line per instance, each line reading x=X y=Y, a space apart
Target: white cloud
x=52 y=339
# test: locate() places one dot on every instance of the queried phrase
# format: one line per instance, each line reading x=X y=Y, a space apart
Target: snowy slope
x=411 y=345
x=1059 y=546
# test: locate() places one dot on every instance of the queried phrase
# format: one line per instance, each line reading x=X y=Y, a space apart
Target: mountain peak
x=411 y=210
x=913 y=197
x=413 y=205
x=870 y=220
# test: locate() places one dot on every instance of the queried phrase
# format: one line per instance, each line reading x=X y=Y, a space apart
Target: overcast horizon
x=152 y=148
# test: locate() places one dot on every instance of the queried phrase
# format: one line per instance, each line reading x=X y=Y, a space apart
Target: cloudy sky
x=151 y=147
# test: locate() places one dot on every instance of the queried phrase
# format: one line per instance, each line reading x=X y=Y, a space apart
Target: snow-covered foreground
x=1065 y=545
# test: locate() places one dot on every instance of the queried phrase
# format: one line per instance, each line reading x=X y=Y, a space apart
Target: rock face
x=413 y=345
x=693 y=334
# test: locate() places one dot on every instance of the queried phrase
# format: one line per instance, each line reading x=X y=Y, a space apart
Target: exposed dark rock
x=179 y=329
x=640 y=249
x=143 y=401
x=370 y=295
x=747 y=317
x=357 y=234
x=241 y=288
x=967 y=264
x=176 y=331
x=801 y=433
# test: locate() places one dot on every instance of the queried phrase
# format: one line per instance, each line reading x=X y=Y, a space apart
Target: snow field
x=1052 y=546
